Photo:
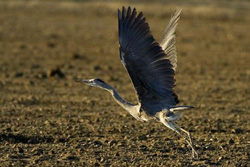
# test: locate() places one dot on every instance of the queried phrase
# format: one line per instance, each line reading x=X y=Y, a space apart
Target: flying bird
x=151 y=67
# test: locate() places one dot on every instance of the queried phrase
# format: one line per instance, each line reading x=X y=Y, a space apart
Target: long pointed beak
x=82 y=80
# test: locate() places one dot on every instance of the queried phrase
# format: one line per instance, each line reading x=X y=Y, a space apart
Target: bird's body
x=151 y=68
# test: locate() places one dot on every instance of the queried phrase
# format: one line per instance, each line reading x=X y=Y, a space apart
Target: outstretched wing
x=169 y=38
x=151 y=73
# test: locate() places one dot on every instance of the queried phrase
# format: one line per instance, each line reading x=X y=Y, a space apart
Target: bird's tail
x=180 y=108
x=174 y=114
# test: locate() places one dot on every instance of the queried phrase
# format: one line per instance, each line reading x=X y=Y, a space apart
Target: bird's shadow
x=19 y=138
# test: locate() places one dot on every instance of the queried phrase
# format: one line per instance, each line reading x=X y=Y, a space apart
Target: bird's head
x=93 y=82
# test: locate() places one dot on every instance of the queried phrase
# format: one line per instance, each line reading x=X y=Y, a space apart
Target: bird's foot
x=194 y=154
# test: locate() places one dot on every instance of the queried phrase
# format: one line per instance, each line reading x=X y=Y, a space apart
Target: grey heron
x=151 y=67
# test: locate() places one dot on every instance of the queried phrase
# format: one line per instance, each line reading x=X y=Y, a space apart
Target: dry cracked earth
x=46 y=119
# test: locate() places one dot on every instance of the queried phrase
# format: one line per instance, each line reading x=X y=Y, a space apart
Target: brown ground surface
x=48 y=120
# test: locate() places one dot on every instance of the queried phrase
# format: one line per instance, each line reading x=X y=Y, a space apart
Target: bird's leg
x=176 y=128
x=185 y=138
x=188 y=134
x=189 y=140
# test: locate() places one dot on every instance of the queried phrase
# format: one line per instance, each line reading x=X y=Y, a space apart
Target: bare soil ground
x=48 y=120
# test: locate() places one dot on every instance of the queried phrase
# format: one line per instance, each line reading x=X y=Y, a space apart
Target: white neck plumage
x=134 y=110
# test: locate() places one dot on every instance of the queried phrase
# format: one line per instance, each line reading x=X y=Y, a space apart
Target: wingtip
x=134 y=10
x=129 y=11
x=178 y=11
x=119 y=13
x=126 y=11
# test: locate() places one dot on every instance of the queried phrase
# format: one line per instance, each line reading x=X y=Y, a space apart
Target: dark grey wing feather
x=152 y=75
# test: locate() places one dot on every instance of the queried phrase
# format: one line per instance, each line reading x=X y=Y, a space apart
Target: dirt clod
x=55 y=72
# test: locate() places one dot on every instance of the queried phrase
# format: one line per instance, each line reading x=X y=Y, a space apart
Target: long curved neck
x=123 y=103
x=132 y=109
